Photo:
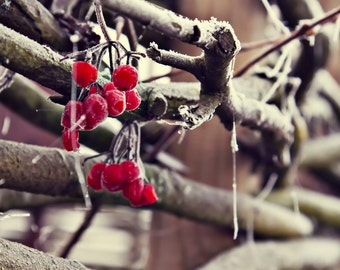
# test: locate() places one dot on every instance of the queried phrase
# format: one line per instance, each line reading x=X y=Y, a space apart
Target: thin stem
x=131 y=34
x=161 y=144
x=120 y=22
x=81 y=230
x=101 y=20
x=258 y=44
x=170 y=74
x=295 y=34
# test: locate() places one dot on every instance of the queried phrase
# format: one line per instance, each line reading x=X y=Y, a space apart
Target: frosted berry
x=113 y=175
x=149 y=195
x=84 y=73
x=133 y=100
x=133 y=191
x=109 y=86
x=131 y=170
x=116 y=102
x=93 y=90
x=70 y=139
x=95 y=110
x=125 y=77
x=76 y=108
x=94 y=176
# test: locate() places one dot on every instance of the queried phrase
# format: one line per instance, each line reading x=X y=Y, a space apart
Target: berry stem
x=101 y=20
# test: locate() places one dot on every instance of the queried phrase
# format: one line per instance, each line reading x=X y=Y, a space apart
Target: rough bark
x=43 y=65
x=17 y=256
x=32 y=19
x=53 y=173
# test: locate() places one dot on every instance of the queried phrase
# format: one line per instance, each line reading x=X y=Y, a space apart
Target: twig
x=161 y=144
x=304 y=29
x=101 y=20
x=170 y=74
x=247 y=46
x=82 y=229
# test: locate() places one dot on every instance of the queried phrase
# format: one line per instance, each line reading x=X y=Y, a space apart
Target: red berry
x=149 y=195
x=133 y=100
x=95 y=110
x=133 y=191
x=109 y=86
x=70 y=139
x=116 y=102
x=94 y=176
x=73 y=109
x=93 y=90
x=113 y=175
x=131 y=170
x=125 y=77
x=84 y=73
x=112 y=187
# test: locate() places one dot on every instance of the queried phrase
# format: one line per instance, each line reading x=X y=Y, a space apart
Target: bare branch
x=39 y=63
x=32 y=19
x=176 y=194
x=301 y=31
x=294 y=254
x=18 y=256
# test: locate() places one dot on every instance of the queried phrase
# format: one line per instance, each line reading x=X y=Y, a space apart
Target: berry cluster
x=122 y=170
x=97 y=102
x=125 y=177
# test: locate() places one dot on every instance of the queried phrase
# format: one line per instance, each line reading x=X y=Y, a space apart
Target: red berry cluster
x=98 y=102
x=125 y=177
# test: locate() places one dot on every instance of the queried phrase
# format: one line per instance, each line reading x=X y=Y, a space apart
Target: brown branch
x=90 y=215
x=32 y=19
x=43 y=65
x=54 y=174
x=301 y=31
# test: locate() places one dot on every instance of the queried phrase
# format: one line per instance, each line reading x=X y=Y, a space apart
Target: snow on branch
x=213 y=69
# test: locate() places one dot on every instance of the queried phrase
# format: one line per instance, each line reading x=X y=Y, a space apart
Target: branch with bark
x=44 y=66
x=18 y=256
x=177 y=194
x=294 y=254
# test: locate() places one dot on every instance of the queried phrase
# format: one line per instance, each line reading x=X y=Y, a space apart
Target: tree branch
x=320 y=206
x=177 y=194
x=18 y=256
x=32 y=19
x=43 y=65
x=34 y=61
x=294 y=254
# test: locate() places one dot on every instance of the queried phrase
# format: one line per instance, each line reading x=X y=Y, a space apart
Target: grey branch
x=17 y=256
x=37 y=169
x=34 y=61
x=43 y=65
x=314 y=253
x=32 y=19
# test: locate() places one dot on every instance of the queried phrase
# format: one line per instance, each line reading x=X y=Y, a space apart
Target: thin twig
x=101 y=20
x=258 y=44
x=120 y=22
x=81 y=230
x=170 y=74
x=161 y=144
x=295 y=34
x=131 y=34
